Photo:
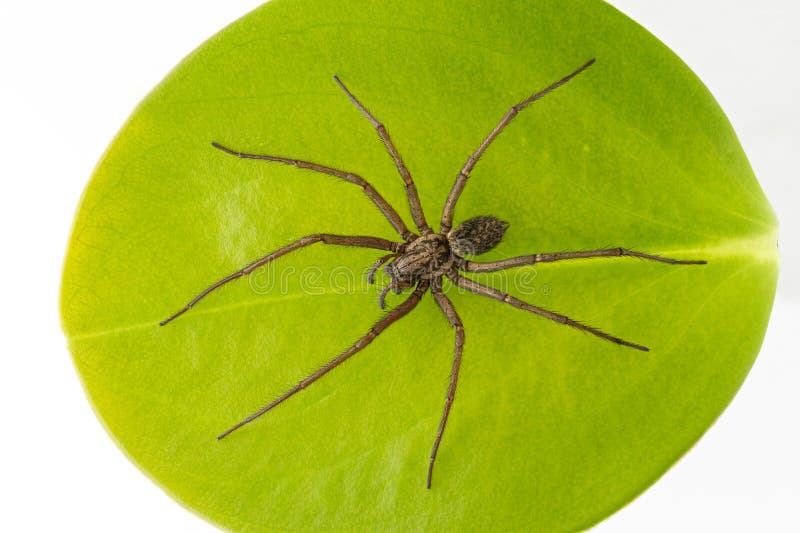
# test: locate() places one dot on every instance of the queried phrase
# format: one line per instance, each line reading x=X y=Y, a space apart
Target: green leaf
x=552 y=429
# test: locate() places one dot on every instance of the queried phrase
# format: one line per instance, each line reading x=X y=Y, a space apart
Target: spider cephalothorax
x=424 y=258
x=422 y=261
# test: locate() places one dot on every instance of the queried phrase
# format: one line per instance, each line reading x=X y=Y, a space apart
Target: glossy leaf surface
x=552 y=429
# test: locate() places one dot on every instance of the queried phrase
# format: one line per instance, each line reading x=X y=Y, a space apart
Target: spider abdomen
x=477 y=235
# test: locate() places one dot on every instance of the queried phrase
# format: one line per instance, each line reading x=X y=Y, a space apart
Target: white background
x=71 y=72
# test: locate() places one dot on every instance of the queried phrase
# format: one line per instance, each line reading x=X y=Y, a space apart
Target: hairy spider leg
x=492 y=266
x=340 y=240
x=394 y=315
x=449 y=311
x=463 y=175
x=484 y=290
x=411 y=189
x=385 y=207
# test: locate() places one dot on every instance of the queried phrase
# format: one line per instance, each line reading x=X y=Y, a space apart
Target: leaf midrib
x=757 y=248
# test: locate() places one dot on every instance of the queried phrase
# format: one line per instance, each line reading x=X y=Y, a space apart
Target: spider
x=422 y=260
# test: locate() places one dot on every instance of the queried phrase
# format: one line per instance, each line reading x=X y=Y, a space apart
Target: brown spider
x=422 y=260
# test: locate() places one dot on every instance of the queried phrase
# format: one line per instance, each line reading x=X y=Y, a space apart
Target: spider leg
x=411 y=188
x=463 y=175
x=449 y=311
x=393 y=316
x=478 y=266
x=377 y=265
x=341 y=240
x=384 y=206
x=484 y=290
